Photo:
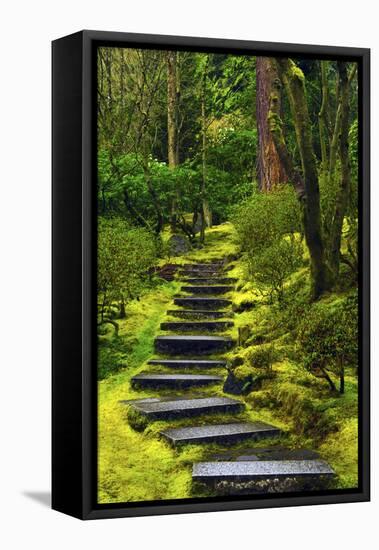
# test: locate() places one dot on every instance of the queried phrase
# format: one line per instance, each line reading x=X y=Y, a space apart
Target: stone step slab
x=188 y=363
x=183 y=408
x=196 y=345
x=198 y=314
x=197 y=302
x=224 y=434
x=210 y=281
x=201 y=273
x=147 y=380
x=206 y=266
x=196 y=326
x=256 y=470
x=207 y=289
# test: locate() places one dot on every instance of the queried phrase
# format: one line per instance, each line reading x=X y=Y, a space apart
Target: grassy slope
x=136 y=466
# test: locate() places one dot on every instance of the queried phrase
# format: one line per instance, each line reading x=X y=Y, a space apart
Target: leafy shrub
x=112 y=356
x=267 y=225
x=274 y=265
x=263 y=357
x=294 y=306
x=231 y=149
x=265 y=218
x=125 y=255
x=328 y=338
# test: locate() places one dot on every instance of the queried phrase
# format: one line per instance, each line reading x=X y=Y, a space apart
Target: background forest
x=254 y=159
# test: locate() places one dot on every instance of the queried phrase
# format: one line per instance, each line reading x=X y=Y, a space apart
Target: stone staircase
x=204 y=310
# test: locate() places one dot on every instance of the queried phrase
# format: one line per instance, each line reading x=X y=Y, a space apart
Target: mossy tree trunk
x=172 y=127
x=324 y=118
x=203 y=201
x=306 y=184
x=270 y=167
x=343 y=191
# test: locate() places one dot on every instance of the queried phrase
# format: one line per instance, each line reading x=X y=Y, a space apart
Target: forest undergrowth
x=135 y=465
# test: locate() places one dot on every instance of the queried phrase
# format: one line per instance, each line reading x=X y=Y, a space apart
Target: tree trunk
x=203 y=153
x=172 y=110
x=122 y=309
x=172 y=128
x=293 y=80
x=325 y=374
x=344 y=187
x=138 y=218
x=342 y=381
x=270 y=168
x=323 y=117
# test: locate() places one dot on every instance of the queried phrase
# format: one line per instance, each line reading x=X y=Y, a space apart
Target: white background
x=27 y=29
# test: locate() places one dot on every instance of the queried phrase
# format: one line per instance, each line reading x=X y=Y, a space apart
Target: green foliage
x=328 y=337
x=233 y=151
x=274 y=264
x=266 y=224
x=136 y=184
x=294 y=306
x=263 y=357
x=125 y=255
x=112 y=356
x=266 y=217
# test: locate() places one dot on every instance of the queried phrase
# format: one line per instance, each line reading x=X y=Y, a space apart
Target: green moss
x=243 y=371
x=341 y=451
x=137 y=421
x=296 y=72
x=137 y=464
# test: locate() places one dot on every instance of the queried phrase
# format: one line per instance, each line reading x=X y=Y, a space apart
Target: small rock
x=178 y=245
x=238 y=386
x=245 y=305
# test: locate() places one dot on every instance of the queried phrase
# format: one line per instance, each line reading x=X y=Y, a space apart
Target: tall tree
x=324 y=243
x=172 y=109
x=306 y=183
x=203 y=147
x=344 y=188
x=172 y=127
x=270 y=167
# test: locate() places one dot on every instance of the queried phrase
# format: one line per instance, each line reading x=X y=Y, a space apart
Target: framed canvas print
x=210 y=274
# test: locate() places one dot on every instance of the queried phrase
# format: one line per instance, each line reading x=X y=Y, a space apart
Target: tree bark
x=323 y=116
x=122 y=309
x=343 y=150
x=342 y=381
x=293 y=80
x=328 y=379
x=172 y=128
x=270 y=168
x=203 y=209
x=172 y=134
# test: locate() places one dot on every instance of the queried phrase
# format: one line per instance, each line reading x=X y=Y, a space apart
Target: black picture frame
x=74 y=406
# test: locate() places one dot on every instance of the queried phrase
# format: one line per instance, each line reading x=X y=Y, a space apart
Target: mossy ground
x=141 y=466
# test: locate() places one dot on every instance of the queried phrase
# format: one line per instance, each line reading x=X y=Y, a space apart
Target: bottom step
x=260 y=470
